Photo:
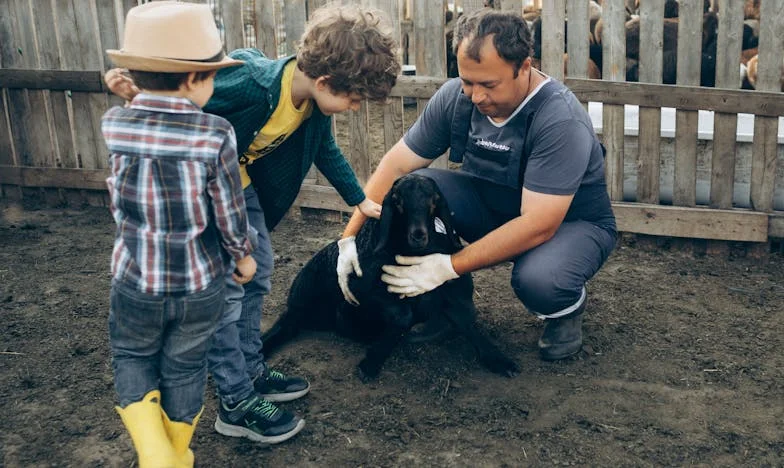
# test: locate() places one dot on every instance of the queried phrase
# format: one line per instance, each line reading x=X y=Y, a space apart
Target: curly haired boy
x=281 y=111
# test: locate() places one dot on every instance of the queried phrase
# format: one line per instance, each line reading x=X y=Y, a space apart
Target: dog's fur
x=406 y=227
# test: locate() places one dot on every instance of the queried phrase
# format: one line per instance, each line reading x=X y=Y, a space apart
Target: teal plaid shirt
x=246 y=96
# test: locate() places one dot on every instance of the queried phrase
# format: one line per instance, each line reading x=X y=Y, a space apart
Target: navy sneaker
x=257 y=419
x=277 y=386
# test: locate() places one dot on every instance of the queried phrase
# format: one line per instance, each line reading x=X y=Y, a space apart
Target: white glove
x=422 y=274
x=348 y=262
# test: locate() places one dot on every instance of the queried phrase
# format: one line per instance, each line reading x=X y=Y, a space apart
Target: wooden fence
x=52 y=59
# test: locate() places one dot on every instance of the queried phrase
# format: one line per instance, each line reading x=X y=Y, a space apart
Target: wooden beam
x=56 y=177
x=700 y=223
x=86 y=81
x=776 y=225
x=680 y=97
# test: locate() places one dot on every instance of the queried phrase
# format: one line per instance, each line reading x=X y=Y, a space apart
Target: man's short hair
x=511 y=36
x=352 y=48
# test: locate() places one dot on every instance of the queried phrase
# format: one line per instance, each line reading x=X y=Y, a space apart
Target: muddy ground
x=682 y=365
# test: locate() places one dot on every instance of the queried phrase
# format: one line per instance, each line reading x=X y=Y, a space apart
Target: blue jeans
x=235 y=357
x=548 y=279
x=161 y=342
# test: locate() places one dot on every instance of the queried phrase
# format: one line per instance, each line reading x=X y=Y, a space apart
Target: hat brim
x=165 y=65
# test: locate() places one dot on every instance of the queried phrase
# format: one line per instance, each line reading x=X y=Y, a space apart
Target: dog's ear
x=442 y=211
x=388 y=208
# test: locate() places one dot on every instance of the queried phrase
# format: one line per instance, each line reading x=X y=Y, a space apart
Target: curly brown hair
x=354 y=48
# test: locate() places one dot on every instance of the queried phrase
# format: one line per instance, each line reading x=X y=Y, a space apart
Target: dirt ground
x=682 y=365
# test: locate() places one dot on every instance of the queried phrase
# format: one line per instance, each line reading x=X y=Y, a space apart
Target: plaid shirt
x=175 y=195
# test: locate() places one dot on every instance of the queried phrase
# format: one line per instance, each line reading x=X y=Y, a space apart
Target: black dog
x=414 y=221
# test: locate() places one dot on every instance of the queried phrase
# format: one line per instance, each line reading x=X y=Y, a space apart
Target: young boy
x=281 y=110
x=176 y=197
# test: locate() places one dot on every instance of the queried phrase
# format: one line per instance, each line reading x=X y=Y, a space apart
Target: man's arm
x=541 y=216
x=397 y=162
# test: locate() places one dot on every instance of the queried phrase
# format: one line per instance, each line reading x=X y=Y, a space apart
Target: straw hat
x=172 y=37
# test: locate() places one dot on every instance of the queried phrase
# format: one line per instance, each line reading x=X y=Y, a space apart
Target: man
x=531 y=189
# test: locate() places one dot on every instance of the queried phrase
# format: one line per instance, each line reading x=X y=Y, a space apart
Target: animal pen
x=681 y=182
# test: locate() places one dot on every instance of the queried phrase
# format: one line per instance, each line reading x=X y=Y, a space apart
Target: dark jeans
x=550 y=278
x=161 y=342
x=236 y=354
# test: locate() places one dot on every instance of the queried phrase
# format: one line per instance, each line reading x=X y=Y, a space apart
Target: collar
x=170 y=104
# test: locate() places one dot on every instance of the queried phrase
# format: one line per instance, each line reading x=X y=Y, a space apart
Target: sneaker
x=258 y=420
x=277 y=386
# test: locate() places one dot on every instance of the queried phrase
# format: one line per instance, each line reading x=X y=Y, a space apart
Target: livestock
x=415 y=220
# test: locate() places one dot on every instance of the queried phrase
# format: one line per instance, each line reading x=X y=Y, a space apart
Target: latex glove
x=348 y=262
x=418 y=275
x=370 y=208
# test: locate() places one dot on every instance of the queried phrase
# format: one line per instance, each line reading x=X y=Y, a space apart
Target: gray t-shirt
x=565 y=156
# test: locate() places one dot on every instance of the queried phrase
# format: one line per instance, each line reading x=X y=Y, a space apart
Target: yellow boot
x=180 y=435
x=145 y=425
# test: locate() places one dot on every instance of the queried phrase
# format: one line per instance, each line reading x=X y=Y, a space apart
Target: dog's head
x=409 y=216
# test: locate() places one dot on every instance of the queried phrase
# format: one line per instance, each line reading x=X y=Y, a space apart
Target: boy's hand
x=121 y=84
x=246 y=268
x=370 y=208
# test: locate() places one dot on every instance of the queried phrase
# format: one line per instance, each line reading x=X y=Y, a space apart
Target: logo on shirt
x=492 y=146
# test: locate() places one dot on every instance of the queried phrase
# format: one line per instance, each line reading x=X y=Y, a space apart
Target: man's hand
x=246 y=268
x=121 y=84
x=370 y=208
x=419 y=275
x=348 y=262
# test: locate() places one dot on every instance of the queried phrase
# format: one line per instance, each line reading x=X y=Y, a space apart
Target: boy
x=281 y=110
x=177 y=200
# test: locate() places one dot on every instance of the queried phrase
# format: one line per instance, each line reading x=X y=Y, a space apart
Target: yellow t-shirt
x=282 y=123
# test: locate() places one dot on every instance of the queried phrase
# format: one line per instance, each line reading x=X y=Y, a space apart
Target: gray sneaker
x=257 y=419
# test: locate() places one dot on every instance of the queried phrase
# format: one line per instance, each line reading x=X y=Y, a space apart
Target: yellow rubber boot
x=145 y=425
x=180 y=435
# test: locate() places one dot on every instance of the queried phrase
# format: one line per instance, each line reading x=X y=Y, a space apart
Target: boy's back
x=173 y=170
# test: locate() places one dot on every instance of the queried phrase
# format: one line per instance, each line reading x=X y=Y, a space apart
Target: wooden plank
x=54 y=177
x=765 y=145
x=74 y=80
x=725 y=125
x=359 y=144
x=294 y=17
x=7 y=154
x=577 y=38
x=700 y=223
x=776 y=225
x=686 y=122
x=472 y=5
x=613 y=69
x=651 y=34
x=7 y=150
x=553 y=35
x=266 y=39
x=679 y=97
x=233 y=27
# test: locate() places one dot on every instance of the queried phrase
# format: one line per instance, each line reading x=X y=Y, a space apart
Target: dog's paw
x=502 y=365
x=367 y=371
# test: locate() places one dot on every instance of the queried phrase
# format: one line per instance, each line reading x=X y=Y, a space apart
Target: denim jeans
x=548 y=279
x=236 y=355
x=161 y=342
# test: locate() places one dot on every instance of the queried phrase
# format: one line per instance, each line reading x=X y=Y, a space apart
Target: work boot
x=144 y=423
x=434 y=328
x=180 y=435
x=563 y=336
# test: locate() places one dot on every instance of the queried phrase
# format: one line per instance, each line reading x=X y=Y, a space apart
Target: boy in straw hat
x=281 y=110
x=181 y=223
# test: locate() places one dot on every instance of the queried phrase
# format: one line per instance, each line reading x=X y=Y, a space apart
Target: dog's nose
x=419 y=236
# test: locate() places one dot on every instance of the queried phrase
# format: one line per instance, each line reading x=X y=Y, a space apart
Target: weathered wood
x=234 y=29
x=701 y=223
x=7 y=154
x=686 y=122
x=266 y=39
x=359 y=144
x=765 y=146
x=776 y=225
x=651 y=36
x=294 y=18
x=725 y=126
x=679 y=97
x=553 y=34
x=577 y=38
x=613 y=69
x=86 y=81
x=54 y=177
